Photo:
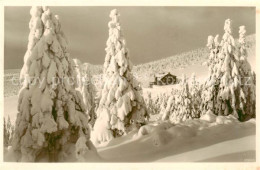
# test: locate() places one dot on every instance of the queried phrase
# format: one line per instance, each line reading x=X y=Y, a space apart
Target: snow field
x=165 y=141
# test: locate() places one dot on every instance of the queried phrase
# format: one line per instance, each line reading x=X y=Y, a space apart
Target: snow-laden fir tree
x=121 y=107
x=76 y=64
x=195 y=93
x=182 y=110
x=51 y=117
x=83 y=84
x=152 y=104
x=169 y=108
x=170 y=105
x=210 y=88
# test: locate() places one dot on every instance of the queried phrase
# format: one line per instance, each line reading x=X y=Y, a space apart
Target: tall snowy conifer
x=229 y=78
x=51 y=113
x=121 y=106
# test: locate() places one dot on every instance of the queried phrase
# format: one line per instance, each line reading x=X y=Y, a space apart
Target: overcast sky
x=151 y=33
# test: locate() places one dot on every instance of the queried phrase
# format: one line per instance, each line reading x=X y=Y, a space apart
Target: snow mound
x=164 y=125
x=161 y=137
x=224 y=120
x=145 y=130
x=209 y=116
x=86 y=151
x=182 y=131
x=149 y=129
x=10 y=155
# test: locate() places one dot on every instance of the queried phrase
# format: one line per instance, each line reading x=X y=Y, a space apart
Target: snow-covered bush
x=90 y=92
x=225 y=91
x=156 y=104
x=195 y=92
x=149 y=103
x=169 y=108
x=163 y=103
x=51 y=113
x=121 y=107
x=182 y=104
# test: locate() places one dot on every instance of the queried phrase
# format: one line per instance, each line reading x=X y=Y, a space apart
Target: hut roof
x=161 y=75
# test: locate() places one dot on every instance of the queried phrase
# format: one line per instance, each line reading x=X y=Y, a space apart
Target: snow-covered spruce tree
x=10 y=130
x=211 y=86
x=182 y=104
x=229 y=77
x=88 y=92
x=247 y=91
x=216 y=89
x=149 y=104
x=152 y=104
x=51 y=117
x=160 y=103
x=170 y=105
x=121 y=107
x=150 y=101
x=195 y=93
x=6 y=134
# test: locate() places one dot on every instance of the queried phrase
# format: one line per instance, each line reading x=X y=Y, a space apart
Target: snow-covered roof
x=151 y=79
x=161 y=75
